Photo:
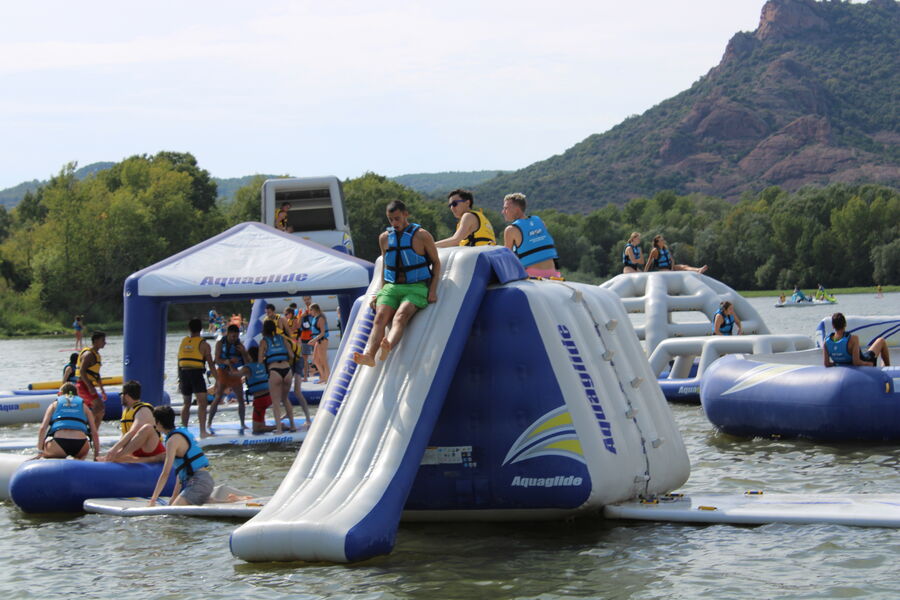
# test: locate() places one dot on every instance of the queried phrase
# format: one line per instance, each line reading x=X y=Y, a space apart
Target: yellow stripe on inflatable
x=557 y=421
x=54 y=385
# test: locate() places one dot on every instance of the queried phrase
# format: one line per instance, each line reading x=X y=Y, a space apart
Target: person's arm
x=718 y=323
x=321 y=335
x=629 y=252
x=167 y=468
x=826 y=358
x=45 y=425
x=512 y=237
x=853 y=349
x=95 y=437
x=382 y=243
x=432 y=253
x=262 y=348
x=207 y=356
x=737 y=321
x=68 y=372
x=650 y=258
x=468 y=224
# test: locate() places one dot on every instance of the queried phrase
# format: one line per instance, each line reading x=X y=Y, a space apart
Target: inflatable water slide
x=507 y=399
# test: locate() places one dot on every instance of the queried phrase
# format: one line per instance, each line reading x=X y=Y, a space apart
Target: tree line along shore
x=67 y=248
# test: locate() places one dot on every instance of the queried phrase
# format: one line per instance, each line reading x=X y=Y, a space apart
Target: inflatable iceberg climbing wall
x=507 y=399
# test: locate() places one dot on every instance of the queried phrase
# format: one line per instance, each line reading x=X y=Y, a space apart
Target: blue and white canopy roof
x=252 y=259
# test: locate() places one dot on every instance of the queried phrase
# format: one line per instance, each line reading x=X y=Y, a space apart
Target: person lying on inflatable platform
x=66 y=426
x=140 y=441
x=529 y=239
x=472 y=227
x=410 y=278
x=193 y=482
x=842 y=348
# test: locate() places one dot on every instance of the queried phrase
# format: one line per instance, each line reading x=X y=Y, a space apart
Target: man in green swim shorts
x=410 y=276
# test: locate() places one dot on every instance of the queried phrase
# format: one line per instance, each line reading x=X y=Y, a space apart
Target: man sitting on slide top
x=528 y=238
x=410 y=277
x=140 y=441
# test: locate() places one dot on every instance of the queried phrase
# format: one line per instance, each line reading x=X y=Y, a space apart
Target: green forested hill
x=811 y=97
x=437 y=183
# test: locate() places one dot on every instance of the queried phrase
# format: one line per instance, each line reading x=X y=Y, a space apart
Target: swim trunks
x=85 y=395
x=260 y=405
x=160 y=449
x=191 y=381
x=198 y=487
x=395 y=294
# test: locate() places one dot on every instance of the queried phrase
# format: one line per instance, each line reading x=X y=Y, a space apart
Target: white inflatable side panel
x=867 y=328
x=347 y=468
x=8 y=465
x=626 y=429
x=710 y=348
x=659 y=294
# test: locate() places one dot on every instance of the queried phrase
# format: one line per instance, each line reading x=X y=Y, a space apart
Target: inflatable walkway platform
x=563 y=417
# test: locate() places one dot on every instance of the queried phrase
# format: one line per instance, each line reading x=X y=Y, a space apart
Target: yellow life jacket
x=484 y=235
x=93 y=372
x=276 y=319
x=127 y=419
x=189 y=355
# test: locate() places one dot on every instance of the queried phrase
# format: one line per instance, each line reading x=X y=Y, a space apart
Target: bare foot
x=703 y=269
x=385 y=349
x=306 y=425
x=363 y=359
x=204 y=435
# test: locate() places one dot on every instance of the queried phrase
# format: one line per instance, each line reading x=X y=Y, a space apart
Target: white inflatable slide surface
x=343 y=497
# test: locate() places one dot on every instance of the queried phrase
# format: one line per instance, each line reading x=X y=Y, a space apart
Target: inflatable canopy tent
x=250 y=260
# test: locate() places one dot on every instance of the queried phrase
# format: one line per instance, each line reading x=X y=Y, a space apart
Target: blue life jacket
x=637 y=255
x=537 y=243
x=275 y=349
x=69 y=414
x=258 y=380
x=71 y=378
x=193 y=459
x=664 y=260
x=316 y=331
x=727 y=323
x=402 y=264
x=839 y=351
x=228 y=352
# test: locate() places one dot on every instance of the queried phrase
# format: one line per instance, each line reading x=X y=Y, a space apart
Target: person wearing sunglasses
x=472 y=227
x=528 y=238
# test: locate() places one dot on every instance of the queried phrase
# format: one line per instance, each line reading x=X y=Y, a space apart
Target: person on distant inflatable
x=193 y=357
x=70 y=369
x=230 y=355
x=410 y=275
x=799 y=296
x=193 y=482
x=842 y=349
x=725 y=320
x=258 y=386
x=631 y=256
x=319 y=342
x=281 y=217
x=529 y=239
x=66 y=426
x=277 y=352
x=89 y=380
x=782 y=299
x=213 y=319
x=78 y=326
x=661 y=259
x=306 y=349
x=140 y=442
x=472 y=227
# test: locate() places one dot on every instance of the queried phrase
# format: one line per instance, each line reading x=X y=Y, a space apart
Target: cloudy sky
x=318 y=88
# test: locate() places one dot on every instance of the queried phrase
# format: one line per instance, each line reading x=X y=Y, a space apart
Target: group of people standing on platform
x=411 y=267
x=660 y=257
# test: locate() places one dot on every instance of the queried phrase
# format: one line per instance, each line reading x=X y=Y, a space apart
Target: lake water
x=106 y=557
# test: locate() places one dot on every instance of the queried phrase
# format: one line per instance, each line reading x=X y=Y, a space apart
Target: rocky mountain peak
x=784 y=18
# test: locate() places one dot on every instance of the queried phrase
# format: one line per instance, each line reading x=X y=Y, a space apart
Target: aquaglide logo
x=546 y=482
x=253 y=280
x=587 y=382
